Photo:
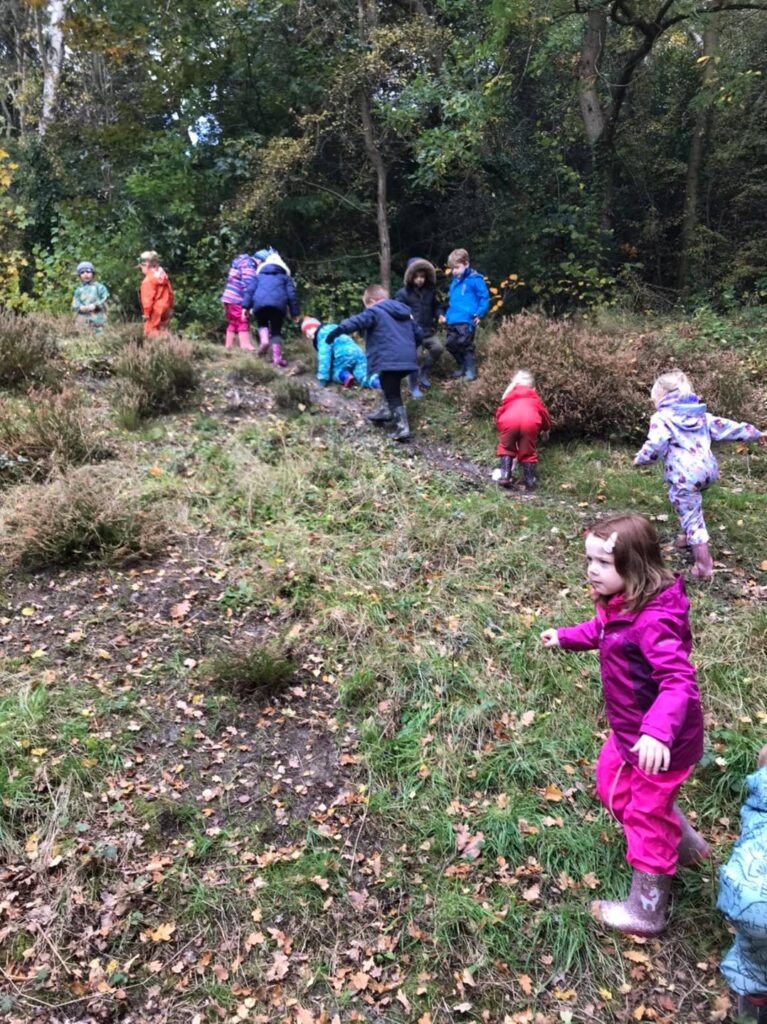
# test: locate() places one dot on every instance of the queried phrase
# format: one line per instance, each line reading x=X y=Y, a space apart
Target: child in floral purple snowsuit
x=681 y=432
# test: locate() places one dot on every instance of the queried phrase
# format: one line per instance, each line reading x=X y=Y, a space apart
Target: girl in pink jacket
x=642 y=632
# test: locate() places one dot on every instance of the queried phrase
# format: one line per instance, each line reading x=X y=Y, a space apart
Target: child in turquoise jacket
x=343 y=362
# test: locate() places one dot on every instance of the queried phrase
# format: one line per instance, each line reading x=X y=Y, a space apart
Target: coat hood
x=757 y=790
x=270 y=269
x=671 y=601
x=687 y=413
x=398 y=310
x=323 y=331
x=416 y=266
x=274 y=260
x=520 y=391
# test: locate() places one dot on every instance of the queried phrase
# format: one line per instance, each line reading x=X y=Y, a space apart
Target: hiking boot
x=382 y=414
x=643 y=913
x=401 y=430
x=504 y=472
x=471 y=365
x=412 y=383
x=531 y=480
x=693 y=848
x=753 y=1008
x=704 y=563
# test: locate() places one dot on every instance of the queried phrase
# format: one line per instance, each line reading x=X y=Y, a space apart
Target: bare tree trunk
x=698 y=145
x=368 y=19
x=382 y=217
x=51 y=42
x=588 y=72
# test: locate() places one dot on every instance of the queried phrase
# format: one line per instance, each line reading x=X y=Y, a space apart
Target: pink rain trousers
x=644 y=805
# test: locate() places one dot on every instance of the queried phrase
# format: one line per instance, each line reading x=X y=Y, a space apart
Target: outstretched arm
x=722 y=429
x=656 y=445
x=361 y=322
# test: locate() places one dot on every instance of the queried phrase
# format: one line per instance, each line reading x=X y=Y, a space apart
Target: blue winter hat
x=262 y=254
x=85 y=265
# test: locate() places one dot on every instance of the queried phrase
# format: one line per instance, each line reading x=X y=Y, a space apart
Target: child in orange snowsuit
x=156 y=295
x=520 y=417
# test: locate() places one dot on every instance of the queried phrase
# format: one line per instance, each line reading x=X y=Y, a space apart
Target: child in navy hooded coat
x=391 y=337
x=270 y=295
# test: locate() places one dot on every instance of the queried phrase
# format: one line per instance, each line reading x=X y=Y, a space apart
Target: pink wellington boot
x=245 y=343
x=704 y=563
x=277 y=359
x=693 y=848
x=643 y=913
x=263 y=340
x=229 y=343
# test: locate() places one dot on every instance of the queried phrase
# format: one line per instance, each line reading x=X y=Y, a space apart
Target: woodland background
x=584 y=153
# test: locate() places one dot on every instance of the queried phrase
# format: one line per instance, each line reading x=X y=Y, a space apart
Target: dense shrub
x=46 y=432
x=28 y=351
x=597 y=383
x=156 y=377
x=251 y=370
x=92 y=513
x=291 y=395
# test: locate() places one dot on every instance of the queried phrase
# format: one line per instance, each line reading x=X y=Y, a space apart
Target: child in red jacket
x=520 y=417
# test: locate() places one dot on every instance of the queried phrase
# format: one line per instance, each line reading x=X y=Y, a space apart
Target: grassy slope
x=411 y=602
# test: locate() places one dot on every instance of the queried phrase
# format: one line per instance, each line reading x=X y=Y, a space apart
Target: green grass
x=426 y=595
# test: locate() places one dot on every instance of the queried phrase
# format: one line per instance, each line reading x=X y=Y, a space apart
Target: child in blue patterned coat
x=343 y=362
x=681 y=432
x=743 y=900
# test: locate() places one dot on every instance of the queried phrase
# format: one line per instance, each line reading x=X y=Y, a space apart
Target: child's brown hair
x=633 y=543
x=374 y=293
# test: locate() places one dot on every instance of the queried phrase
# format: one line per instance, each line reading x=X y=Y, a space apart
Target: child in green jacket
x=90 y=298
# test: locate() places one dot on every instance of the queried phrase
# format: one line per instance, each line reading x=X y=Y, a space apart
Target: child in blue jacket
x=468 y=301
x=743 y=900
x=270 y=295
x=343 y=362
x=391 y=337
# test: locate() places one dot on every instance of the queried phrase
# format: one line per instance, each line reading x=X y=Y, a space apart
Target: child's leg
x=653 y=829
x=275 y=326
x=688 y=502
x=613 y=776
x=688 y=505
x=693 y=848
x=231 y=329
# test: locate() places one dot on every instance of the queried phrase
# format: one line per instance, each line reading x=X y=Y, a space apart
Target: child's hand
x=442 y=320
x=550 y=638
x=654 y=756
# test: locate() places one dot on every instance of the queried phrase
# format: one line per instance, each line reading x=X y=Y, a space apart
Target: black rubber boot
x=470 y=362
x=382 y=414
x=505 y=480
x=401 y=430
x=531 y=480
x=460 y=359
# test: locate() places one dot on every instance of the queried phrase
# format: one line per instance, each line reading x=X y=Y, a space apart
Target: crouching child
x=520 y=418
x=343 y=362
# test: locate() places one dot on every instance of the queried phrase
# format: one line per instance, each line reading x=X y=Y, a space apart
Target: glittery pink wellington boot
x=644 y=912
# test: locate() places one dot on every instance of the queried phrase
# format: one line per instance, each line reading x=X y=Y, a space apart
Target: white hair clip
x=609 y=544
